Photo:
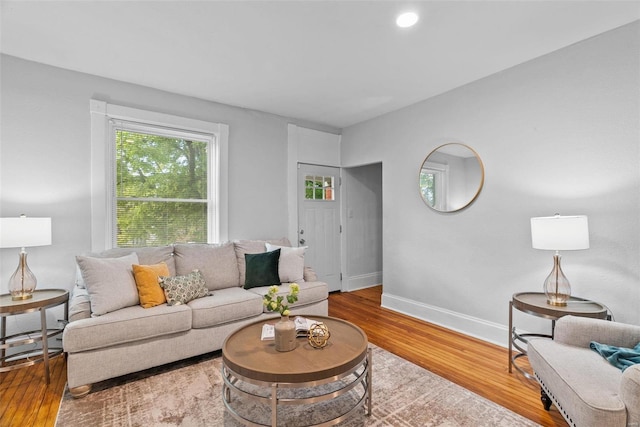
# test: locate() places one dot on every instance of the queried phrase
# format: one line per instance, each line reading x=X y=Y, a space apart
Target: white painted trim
x=223 y=182
x=100 y=225
x=362 y=281
x=102 y=174
x=468 y=325
x=292 y=183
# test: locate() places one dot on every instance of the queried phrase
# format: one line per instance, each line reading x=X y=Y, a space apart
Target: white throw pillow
x=291 y=266
x=110 y=282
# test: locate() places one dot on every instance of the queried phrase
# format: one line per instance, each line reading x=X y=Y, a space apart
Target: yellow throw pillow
x=149 y=290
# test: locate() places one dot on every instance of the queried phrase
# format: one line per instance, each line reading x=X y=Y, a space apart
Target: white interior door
x=319 y=221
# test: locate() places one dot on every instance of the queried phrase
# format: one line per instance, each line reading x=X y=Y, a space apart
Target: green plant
x=275 y=302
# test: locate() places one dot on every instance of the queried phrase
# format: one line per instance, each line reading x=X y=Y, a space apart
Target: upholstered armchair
x=587 y=389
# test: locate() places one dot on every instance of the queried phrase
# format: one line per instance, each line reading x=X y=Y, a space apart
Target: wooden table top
x=536 y=303
x=245 y=354
x=41 y=298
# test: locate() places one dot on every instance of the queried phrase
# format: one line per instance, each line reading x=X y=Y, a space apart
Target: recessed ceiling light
x=407 y=19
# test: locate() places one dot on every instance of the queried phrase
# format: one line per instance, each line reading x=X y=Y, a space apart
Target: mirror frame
x=480 y=185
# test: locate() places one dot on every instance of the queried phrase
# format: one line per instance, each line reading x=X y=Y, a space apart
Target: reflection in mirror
x=451 y=177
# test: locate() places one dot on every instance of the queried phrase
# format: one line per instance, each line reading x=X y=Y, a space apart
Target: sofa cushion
x=224 y=306
x=146 y=256
x=217 y=263
x=129 y=324
x=291 y=264
x=110 y=282
x=261 y=269
x=253 y=247
x=590 y=398
x=310 y=292
x=147 y=281
x=182 y=289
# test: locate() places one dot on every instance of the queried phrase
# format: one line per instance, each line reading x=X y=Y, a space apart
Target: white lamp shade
x=560 y=233
x=24 y=232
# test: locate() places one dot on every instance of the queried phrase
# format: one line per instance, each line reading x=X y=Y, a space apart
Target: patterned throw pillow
x=182 y=289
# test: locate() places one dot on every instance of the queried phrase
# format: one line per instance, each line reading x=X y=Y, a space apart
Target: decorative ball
x=319 y=335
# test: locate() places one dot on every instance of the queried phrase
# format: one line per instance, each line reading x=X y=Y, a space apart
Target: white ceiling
x=331 y=62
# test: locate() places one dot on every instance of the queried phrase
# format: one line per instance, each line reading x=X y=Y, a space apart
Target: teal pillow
x=262 y=269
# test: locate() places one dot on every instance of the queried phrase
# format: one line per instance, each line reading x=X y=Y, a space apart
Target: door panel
x=319 y=221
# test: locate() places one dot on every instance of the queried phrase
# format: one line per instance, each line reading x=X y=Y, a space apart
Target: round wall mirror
x=451 y=177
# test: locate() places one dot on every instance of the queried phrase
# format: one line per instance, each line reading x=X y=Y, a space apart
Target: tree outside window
x=318 y=187
x=161 y=189
x=428 y=187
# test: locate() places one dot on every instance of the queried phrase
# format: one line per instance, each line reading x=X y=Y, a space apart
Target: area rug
x=190 y=394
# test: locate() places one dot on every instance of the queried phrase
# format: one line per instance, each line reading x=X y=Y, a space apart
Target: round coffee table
x=253 y=369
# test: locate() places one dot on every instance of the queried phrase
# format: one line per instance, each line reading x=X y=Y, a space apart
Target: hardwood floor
x=472 y=363
x=26 y=401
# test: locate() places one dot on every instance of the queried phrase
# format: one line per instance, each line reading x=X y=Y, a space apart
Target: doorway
x=362 y=227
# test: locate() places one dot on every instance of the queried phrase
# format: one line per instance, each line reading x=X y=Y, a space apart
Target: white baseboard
x=468 y=325
x=363 y=281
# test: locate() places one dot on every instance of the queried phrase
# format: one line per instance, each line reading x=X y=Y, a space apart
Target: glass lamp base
x=556 y=286
x=557 y=303
x=23 y=282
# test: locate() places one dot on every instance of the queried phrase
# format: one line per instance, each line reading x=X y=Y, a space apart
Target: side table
x=535 y=304
x=42 y=300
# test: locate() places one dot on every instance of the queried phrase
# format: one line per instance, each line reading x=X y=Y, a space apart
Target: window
x=433 y=184
x=318 y=187
x=161 y=186
x=428 y=186
x=156 y=179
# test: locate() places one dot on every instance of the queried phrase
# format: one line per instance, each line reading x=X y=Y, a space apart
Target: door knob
x=302 y=241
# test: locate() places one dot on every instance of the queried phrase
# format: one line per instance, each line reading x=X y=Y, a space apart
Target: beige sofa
x=110 y=334
x=583 y=385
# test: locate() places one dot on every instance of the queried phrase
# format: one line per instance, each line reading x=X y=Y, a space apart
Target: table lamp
x=559 y=233
x=24 y=232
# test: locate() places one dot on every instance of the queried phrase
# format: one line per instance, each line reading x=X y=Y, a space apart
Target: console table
x=535 y=304
x=42 y=300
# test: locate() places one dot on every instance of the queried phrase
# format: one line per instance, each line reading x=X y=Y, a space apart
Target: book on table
x=302 y=328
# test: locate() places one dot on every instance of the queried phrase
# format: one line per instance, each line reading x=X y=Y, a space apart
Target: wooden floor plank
x=25 y=399
x=472 y=363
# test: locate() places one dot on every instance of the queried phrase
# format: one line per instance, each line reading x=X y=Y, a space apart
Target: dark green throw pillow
x=262 y=269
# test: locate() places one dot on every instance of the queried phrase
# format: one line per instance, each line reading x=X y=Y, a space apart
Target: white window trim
x=442 y=188
x=103 y=166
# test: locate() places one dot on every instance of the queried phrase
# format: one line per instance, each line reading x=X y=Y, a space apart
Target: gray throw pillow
x=291 y=264
x=110 y=282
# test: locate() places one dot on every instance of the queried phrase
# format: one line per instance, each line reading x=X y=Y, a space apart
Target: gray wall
x=45 y=159
x=557 y=134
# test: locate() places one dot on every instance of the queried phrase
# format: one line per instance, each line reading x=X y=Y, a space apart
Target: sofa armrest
x=79 y=304
x=630 y=393
x=580 y=331
x=310 y=275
